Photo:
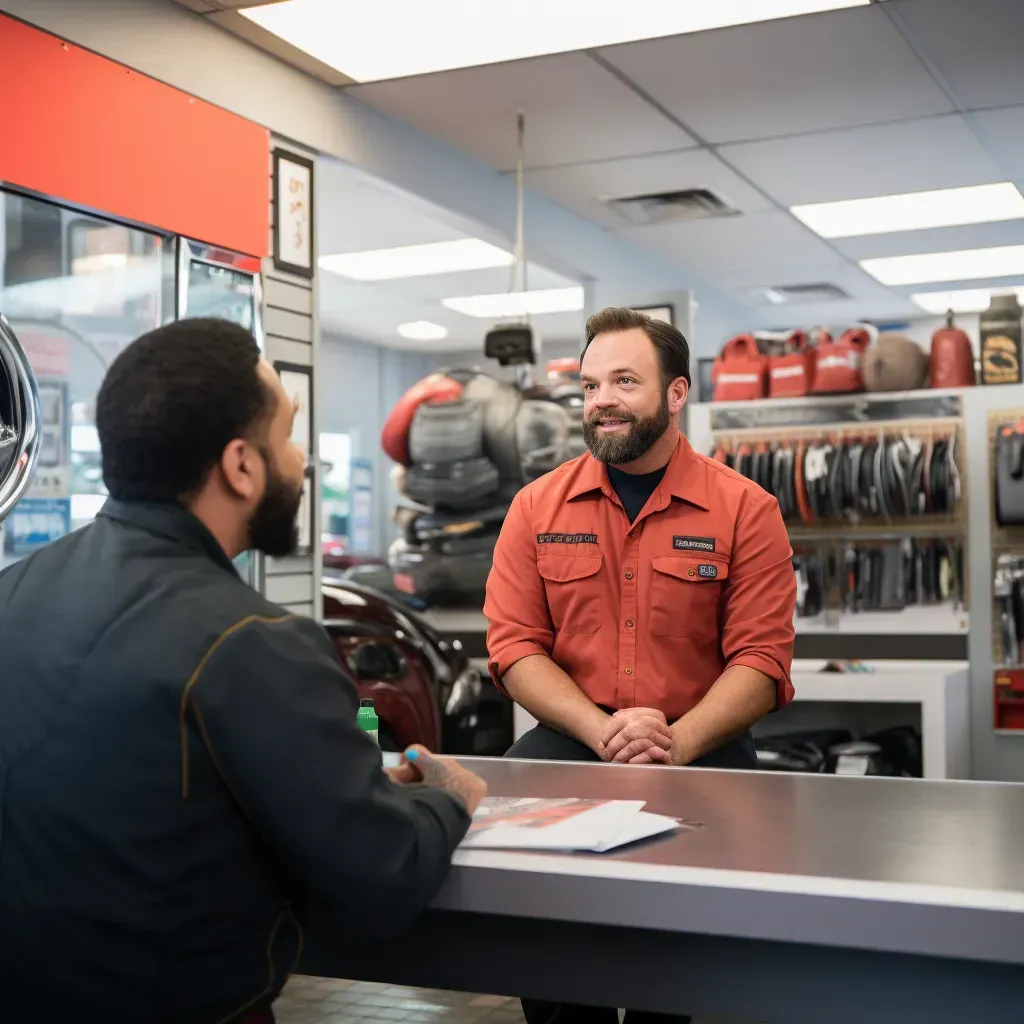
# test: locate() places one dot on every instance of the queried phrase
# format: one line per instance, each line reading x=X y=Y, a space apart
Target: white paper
x=594 y=826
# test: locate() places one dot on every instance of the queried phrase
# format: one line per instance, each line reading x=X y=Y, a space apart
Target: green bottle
x=367 y=720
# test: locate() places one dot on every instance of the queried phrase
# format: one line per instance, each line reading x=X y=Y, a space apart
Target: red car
x=424 y=688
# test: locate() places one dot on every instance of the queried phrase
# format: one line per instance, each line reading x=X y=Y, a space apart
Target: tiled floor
x=325 y=1001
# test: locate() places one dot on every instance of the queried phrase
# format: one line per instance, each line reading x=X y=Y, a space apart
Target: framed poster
x=307 y=516
x=298 y=385
x=664 y=313
x=293 y=214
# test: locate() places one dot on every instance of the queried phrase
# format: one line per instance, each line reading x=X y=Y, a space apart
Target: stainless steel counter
x=803 y=887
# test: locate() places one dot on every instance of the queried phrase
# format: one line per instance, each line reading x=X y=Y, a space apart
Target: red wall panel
x=80 y=128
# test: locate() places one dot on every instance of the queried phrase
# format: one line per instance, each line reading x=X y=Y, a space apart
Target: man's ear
x=242 y=469
x=677 y=392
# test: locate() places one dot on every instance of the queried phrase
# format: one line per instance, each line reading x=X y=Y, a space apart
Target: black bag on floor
x=446 y=432
x=453 y=485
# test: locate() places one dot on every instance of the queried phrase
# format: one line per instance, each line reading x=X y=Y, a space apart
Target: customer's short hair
x=669 y=343
x=171 y=403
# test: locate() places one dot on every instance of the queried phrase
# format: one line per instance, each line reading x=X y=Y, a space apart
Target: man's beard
x=621 y=449
x=273 y=528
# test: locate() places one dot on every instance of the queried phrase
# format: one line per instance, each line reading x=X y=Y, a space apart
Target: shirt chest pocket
x=573 y=584
x=685 y=590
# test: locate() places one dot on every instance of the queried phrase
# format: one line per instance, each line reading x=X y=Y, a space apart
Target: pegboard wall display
x=874 y=494
x=1006 y=462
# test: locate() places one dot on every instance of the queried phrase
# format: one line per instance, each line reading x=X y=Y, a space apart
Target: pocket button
x=691 y=572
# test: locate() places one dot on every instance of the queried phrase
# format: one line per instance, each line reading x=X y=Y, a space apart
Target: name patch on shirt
x=566 y=538
x=693 y=543
x=708 y=572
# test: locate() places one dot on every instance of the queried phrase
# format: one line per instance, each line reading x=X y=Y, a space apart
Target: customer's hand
x=420 y=765
x=637 y=736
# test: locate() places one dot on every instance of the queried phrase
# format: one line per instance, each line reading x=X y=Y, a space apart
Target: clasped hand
x=637 y=736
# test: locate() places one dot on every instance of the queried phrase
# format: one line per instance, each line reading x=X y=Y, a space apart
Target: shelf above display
x=941 y=619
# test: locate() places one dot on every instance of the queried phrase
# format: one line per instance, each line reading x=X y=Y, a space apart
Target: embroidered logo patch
x=566 y=538
x=708 y=572
x=693 y=543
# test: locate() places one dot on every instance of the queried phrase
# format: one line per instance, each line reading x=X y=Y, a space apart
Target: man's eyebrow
x=618 y=369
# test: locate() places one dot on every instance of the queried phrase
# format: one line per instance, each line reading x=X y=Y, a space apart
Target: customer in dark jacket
x=180 y=769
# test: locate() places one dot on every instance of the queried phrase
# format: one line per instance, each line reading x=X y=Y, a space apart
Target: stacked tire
x=466 y=451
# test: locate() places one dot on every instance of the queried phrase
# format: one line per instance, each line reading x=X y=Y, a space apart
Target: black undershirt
x=634 y=489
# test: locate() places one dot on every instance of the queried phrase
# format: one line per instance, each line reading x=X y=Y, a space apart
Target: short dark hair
x=171 y=403
x=668 y=341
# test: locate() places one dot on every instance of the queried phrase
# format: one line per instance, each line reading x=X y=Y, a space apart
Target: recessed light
x=913 y=211
x=361 y=41
x=423 y=330
x=968 y=300
x=508 y=304
x=417 y=260
x=962 y=265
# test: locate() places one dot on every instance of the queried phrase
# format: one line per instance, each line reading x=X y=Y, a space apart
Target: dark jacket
x=180 y=776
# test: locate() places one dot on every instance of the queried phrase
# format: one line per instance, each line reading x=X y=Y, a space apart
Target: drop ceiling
x=357 y=212
x=899 y=96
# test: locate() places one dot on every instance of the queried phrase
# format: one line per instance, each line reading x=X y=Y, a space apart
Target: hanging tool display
x=1009 y=473
x=1008 y=591
x=880 y=576
x=891 y=475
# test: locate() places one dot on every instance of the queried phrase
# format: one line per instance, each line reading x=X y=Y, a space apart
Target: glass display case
x=216 y=282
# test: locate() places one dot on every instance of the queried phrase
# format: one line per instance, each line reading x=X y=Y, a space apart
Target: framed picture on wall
x=307 y=515
x=293 y=214
x=298 y=385
x=664 y=313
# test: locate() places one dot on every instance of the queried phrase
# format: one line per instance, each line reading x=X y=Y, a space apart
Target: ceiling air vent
x=689 y=204
x=786 y=294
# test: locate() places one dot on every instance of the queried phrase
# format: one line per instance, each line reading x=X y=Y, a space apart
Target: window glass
x=77 y=289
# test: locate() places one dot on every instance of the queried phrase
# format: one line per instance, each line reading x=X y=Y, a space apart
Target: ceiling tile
x=902 y=243
x=975 y=46
x=575 y=110
x=763 y=241
x=775 y=78
x=581 y=187
x=1002 y=132
x=878 y=160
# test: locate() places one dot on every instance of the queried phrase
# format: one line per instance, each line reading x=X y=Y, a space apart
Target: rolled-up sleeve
x=516 y=607
x=760 y=596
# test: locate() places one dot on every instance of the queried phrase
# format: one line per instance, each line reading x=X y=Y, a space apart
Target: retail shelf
x=941 y=619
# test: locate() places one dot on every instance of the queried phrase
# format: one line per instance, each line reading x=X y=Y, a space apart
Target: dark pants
x=544 y=744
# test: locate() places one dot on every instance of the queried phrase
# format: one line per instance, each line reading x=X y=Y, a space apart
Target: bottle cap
x=366 y=702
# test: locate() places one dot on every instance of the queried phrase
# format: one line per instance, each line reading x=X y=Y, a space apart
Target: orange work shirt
x=650 y=613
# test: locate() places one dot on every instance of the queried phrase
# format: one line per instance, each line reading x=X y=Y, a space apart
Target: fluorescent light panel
x=962 y=265
x=508 y=304
x=423 y=330
x=968 y=300
x=417 y=260
x=381 y=39
x=913 y=211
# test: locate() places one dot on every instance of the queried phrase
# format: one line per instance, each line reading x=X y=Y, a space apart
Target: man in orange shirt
x=641 y=601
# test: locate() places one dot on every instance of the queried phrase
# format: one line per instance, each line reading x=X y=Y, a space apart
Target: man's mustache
x=626 y=417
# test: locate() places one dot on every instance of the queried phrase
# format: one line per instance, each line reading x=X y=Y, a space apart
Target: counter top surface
x=908 y=865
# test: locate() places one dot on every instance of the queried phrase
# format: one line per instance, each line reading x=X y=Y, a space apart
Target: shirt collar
x=169 y=520
x=685 y=477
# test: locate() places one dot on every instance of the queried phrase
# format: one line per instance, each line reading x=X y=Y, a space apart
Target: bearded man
x=641 y=601
x=181 y=774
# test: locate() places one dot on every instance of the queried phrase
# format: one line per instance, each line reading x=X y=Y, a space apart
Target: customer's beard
x=621 y=449
x=273 y=529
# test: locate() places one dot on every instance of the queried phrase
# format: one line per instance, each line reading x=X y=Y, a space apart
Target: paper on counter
x=570 y=824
